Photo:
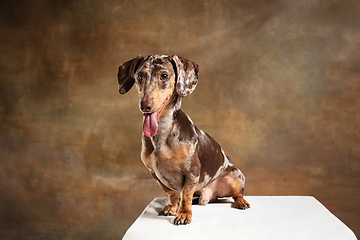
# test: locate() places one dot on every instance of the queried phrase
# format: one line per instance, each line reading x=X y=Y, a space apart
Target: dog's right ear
x=126 y=74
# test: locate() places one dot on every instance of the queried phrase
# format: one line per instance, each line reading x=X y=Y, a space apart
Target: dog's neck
x=166 y=118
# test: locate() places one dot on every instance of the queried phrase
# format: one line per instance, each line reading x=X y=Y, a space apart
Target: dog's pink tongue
x=150 y=125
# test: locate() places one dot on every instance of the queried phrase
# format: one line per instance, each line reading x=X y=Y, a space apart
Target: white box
x=270 y=217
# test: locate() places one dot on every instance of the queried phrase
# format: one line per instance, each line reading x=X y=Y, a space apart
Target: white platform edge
x=298 y=217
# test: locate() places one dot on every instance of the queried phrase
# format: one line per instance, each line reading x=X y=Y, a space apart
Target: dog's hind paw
x=241 y=203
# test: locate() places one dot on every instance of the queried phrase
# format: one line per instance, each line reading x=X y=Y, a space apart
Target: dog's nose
x=146 y=106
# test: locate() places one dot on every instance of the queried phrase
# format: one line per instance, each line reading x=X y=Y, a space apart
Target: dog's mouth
x=150 y=124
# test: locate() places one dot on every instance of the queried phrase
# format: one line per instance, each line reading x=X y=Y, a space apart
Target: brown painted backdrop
x=279 y=89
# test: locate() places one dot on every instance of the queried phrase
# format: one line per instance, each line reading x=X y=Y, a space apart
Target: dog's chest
x=167 y=163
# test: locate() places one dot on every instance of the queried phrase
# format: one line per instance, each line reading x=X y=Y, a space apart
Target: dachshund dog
x=183 y=159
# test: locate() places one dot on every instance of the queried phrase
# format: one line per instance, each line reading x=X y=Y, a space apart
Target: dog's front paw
x=183 y=218
x=168 y=210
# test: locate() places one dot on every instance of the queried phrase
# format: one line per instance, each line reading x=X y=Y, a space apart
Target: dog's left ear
x=126 y=74
x=187 y=76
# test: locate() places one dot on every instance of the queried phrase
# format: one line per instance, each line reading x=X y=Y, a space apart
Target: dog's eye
x=163 y=76
x=140 y=77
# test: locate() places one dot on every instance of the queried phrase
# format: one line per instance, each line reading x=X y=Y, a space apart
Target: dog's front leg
x=184 y=215
x=173 y=203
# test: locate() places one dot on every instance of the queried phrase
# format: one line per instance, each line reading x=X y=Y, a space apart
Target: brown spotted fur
x=184 y=160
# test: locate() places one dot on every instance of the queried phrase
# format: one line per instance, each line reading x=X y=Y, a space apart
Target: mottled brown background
x=279 y=90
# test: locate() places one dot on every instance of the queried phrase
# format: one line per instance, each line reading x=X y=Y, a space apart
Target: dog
x=183 y=159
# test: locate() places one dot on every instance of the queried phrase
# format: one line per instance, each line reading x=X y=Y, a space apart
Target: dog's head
x=157 y=79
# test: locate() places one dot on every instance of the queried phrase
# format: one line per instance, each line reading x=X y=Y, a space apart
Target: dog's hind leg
x=237 y=182
x=230 y=185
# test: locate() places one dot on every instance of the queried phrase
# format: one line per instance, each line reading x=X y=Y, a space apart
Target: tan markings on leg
x=229 y=185
x=173 y=203
x=240 y=202
x=237 y=186
x=184 y=216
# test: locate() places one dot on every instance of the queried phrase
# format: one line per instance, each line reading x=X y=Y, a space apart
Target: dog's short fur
x=184 y=160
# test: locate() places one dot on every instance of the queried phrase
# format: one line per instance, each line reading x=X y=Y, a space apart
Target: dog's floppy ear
x=126 y=75
x=187 y=75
